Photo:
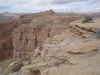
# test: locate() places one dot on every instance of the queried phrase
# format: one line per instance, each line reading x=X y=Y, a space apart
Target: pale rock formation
x=28 y=37
x=66 y=52
x=68 y=55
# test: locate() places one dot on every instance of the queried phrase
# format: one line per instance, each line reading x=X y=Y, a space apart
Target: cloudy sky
x=28 y=6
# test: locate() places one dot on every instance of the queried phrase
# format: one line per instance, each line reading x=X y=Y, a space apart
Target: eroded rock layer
x=28 y=37
x=55 y=44
x=6 y=45
x=66 y=53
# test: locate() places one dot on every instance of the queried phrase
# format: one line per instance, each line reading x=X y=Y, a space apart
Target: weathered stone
x=13 y=67
x=50 y=47
x=82 y=48
x=43 y=25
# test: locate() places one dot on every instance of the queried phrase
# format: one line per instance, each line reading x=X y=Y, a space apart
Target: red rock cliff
x=6 y=46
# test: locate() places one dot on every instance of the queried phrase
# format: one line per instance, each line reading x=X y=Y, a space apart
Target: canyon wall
x=6 y=45
x=74 y=50
x=32 y=30
x=8 y=22
x=56 y=44
x=29 y=36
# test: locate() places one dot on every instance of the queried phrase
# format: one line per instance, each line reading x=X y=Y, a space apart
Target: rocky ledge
x=51 y=46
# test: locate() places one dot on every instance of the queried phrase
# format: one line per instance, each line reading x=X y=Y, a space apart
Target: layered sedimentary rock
x=67 y=52
x=6 y=45
x=49 y=45
x=27 y=37
x=6 y=28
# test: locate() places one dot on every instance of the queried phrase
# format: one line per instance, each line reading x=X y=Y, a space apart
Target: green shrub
x=87 y=19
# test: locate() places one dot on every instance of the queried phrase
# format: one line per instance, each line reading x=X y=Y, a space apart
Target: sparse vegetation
x=63 y=60
x=98 y=33
x=57 y=64
x=87 y=19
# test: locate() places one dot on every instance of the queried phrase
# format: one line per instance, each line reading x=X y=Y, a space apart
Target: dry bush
x=57 y=64
x=98 y=34
x=87 y=19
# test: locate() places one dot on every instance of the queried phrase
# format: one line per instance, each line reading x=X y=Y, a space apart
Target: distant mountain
x=83 y=14
x=8 y=17
x=92 y=14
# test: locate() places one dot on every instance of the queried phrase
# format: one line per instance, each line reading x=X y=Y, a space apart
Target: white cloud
x=41 y=5
x=94 y=1
x=66 y=1
x=98 y=9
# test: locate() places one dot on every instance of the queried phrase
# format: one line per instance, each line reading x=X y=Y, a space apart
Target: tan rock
x=85 y=30
x=13 y=67
x=64 y=52
x=20 y=73
x=82 y=48
x=43 y=25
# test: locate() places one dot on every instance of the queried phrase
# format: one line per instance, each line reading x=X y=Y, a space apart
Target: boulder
x=13 y=67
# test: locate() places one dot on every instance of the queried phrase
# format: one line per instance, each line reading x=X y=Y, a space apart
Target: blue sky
x=28 y=6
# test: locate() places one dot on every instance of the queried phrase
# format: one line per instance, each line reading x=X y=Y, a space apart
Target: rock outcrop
x=51 y=45
x=13 y=67
x=6 y=45
x=6 y=28
x=5 y=64
x=64 y=54
x=27 y=37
